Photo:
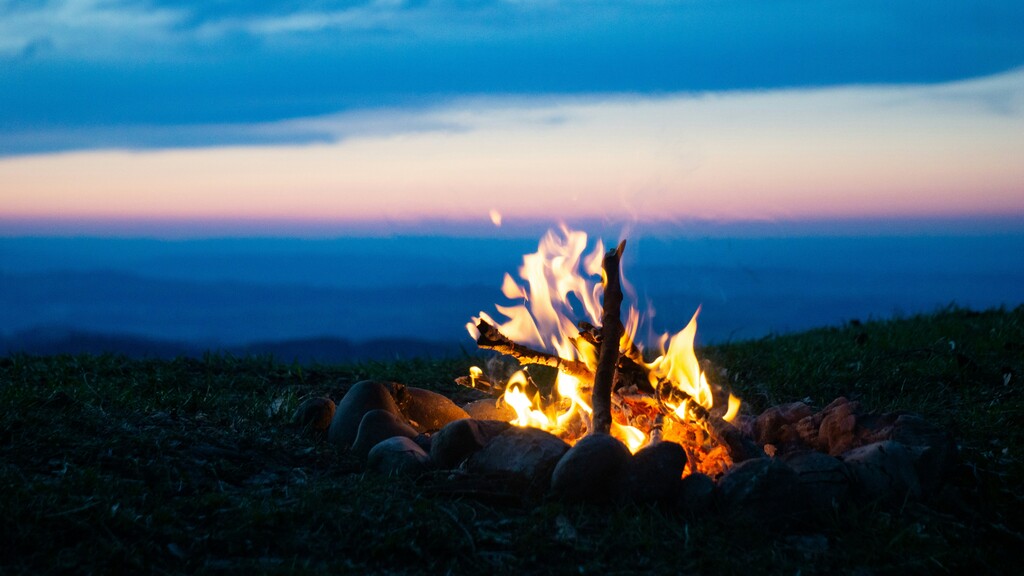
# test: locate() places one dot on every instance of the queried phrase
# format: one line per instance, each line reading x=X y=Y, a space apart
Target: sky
x=199 y=117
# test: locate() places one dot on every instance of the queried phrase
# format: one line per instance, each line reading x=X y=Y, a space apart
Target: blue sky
x=94 y=74
x=278 y=117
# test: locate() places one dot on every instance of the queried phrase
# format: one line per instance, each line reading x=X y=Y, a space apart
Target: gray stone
x=933 y=450
x=360 y=399
x=423 y=441
x=429 y=411
x=596 y=470
x=657 y=471
x=825 y=479
x=882 y=473
x=765 y=489
x=529 y=453
x=490 y=409
x=459 y=440
x=377 y=426
x=696 y=493
x=314 y=414
x=397 y=456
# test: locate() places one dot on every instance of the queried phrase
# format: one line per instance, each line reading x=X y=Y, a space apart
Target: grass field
x=110 y=465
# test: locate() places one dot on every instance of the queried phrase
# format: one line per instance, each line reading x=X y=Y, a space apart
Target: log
x=611 y=333
x=492 y=339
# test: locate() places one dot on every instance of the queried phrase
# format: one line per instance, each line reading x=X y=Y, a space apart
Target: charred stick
x=611 y=333
x=492 y=339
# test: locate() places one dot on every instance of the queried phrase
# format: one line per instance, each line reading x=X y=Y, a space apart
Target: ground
x=114 y=465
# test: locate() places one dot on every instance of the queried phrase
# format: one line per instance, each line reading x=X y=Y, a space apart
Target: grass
x=110 y=465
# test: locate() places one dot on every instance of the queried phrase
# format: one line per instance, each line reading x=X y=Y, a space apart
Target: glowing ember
x=559 y=305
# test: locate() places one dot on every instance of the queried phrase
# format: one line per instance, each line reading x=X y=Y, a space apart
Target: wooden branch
x=611 y=333
x=492 y=339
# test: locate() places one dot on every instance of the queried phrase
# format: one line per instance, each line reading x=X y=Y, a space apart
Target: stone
x=933 y=450
x=596 y=470
x=657 y=471
x=490 y=409
x=424 y=441
x=777 y=425
x=314 y=414
x=459 y=440
x=837 y=432
x=764 y=489
x=529 y=453
x=825 y=478
x=794 y=411
x=377 y=426
x=397 y=456
x=882 y=473
x=361 y=398
x=696 y=494
x=429 y=411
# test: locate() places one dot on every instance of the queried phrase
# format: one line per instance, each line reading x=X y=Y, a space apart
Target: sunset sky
x=334 y=115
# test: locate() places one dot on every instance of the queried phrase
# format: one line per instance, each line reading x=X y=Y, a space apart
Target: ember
x=606 y=381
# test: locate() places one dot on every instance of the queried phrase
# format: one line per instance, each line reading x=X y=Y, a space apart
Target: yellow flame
x=633 y=438
x=517 y=398
x=558 y=286
x=495 y=217
x=734 y=409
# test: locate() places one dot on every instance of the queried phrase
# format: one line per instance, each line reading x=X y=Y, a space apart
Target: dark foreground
x=110 y=465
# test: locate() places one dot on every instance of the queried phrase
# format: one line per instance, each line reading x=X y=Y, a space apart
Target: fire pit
x=605 y=382
x=580 y=409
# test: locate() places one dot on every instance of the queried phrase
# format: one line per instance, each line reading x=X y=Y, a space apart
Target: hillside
x=189 y=465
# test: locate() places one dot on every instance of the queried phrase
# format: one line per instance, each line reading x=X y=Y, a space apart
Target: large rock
x=360 y=399
x=657 y=471
x=530 y=453
x=490 y=409
x=825 y=479
x=596 y=470
x=428 y=411
x=459 y=440
x=696 y=493
x=933 y=450
x=765 y=489
x=377 y=426
x=882 y=473
x=397 y=456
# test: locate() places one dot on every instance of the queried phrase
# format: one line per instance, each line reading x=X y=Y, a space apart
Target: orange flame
x=562 y=286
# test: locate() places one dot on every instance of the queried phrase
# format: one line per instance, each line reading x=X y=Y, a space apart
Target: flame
x=632 y=437
x=526 y=412
x=560 y=285
x=734 y=409
x=495 y=217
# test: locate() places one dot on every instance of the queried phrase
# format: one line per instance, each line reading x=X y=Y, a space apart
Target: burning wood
x=491 y=338
x=562 y=323
x=611 y=333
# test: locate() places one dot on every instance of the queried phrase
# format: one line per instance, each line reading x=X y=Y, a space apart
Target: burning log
x=492 y=339
x=611 y=333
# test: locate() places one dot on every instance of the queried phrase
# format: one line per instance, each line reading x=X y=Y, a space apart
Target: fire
x=559 y=304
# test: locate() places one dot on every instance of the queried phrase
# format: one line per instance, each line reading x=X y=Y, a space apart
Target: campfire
x=577 y=407
x=567 y=318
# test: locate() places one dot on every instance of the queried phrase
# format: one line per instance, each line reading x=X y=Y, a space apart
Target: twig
x=492 y=339
x=611 y=333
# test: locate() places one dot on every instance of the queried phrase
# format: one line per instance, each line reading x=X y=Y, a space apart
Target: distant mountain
x=326 y=350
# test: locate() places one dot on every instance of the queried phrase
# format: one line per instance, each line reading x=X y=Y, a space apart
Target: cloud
x=158 y=72
x=94 y=28
x=838 y=152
